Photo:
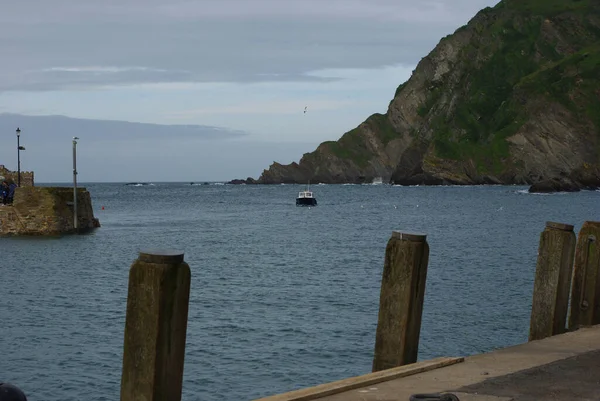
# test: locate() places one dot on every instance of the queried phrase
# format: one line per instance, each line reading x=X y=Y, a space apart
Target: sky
x=245 y=68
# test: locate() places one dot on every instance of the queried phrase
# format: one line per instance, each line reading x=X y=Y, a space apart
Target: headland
x=509 y=98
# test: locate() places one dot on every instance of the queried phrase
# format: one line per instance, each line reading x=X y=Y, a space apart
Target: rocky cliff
x=513 y=97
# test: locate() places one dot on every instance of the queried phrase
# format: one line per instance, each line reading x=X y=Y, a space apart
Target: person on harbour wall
x=11 y=191
x=8 y=191
x=4 y=191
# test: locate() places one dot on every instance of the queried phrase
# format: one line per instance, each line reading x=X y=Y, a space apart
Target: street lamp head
x=18 y=131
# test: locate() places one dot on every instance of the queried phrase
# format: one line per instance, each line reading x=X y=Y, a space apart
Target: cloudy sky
x=250 y=66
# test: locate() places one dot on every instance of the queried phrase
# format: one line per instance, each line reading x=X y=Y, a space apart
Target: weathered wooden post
x=552 y=281
x=585 y=294
x=401 y=301
x=155 y=327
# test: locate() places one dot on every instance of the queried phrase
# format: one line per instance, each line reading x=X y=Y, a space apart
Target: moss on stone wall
x=46 y=211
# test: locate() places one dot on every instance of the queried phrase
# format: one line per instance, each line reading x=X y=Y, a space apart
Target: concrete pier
x=562 y=367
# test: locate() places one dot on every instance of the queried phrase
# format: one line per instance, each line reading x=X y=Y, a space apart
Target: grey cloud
x=209 y=41
x=41 y=128
x=61 y=78
x=76 y=79
x=35 y=11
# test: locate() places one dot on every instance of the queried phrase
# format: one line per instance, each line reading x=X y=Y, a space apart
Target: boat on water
x=306 y=198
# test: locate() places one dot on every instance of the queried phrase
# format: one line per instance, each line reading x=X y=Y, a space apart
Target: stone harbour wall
x=27 y=177
x=47 y=211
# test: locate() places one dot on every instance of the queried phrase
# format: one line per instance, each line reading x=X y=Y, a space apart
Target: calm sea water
x=282 y=297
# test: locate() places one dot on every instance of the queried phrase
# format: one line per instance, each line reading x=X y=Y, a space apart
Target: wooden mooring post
x=401 y=301
x=552 y=281
x=155 y=327
x=585 y=294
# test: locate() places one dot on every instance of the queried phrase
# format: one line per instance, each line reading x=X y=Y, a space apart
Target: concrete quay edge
x=452 y=374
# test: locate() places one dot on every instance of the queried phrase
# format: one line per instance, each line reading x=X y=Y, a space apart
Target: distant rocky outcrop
x=248 y=180
x=513 y=97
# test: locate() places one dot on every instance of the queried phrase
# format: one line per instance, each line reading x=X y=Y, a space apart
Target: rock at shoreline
x=555 y=185
x=587 y=177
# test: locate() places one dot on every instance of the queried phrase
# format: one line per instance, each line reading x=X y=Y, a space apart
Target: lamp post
x=18 y=157
x=75 y=225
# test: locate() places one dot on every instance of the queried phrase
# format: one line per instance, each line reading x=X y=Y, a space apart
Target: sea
x=282 y=297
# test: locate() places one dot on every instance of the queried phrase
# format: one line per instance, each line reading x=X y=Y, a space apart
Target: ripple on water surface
x=282 y=297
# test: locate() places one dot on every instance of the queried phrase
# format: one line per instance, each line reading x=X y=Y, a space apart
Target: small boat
x=306 y=198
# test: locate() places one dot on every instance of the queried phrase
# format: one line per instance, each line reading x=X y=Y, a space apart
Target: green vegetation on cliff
x=352 y=145
x=573 y=81
x=514 y=50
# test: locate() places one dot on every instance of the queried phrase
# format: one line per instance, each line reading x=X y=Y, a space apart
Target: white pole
x=75 y=225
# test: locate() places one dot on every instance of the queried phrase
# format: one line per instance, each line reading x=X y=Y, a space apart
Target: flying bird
x=305 y=109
